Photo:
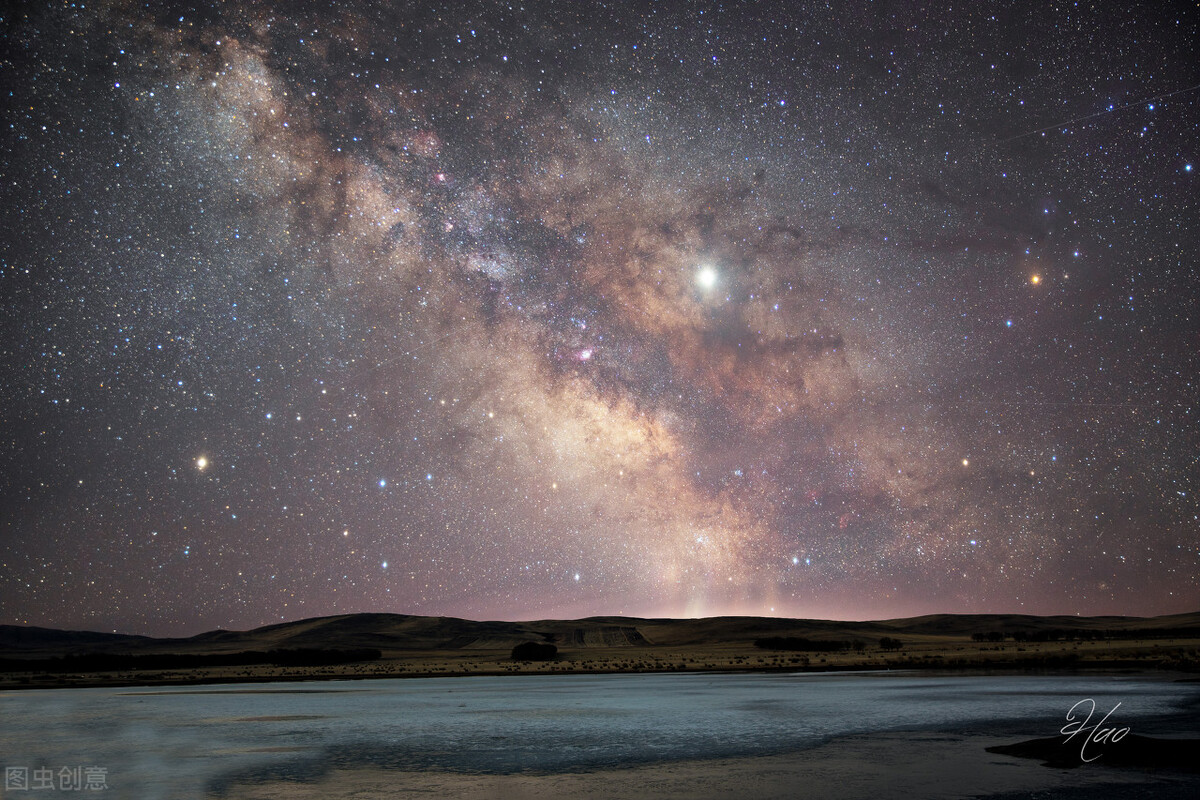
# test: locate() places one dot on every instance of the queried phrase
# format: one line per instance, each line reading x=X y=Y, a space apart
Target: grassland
x=412 y=646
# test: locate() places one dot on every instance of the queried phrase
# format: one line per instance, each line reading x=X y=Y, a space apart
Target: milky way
x=561 y=309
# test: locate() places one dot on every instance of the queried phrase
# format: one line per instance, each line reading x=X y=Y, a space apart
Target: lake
x=184 y=742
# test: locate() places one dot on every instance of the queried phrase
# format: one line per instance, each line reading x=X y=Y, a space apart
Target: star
x=577 y=317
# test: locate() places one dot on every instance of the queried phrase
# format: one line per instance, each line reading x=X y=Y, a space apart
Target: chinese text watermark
x=63 y=779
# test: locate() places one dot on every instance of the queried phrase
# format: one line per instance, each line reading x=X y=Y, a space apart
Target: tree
x=888 y=643
x=534 y=651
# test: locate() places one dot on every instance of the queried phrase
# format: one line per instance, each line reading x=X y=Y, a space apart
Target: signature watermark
x=1093 y=734
x=63 y=779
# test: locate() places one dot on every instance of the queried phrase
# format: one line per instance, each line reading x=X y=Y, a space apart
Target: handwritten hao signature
x=1093 y=734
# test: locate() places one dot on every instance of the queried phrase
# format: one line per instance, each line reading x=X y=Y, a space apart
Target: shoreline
x=155 y=679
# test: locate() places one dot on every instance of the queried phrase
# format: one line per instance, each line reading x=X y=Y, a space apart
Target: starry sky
x=553 y=309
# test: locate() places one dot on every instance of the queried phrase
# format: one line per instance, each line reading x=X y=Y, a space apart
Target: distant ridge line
x=407 y=632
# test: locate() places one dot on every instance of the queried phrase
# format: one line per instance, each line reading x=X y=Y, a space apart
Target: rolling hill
x=402 y=633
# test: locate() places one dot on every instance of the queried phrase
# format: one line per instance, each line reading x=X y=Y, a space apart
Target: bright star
x=201 y=463
x=706 y=277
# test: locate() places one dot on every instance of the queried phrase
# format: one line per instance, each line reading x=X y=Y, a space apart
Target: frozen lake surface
x=183 y=742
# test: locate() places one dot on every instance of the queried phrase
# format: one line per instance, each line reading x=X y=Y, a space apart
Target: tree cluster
x=1084 y=635
x=534 y=651
x=811 y=645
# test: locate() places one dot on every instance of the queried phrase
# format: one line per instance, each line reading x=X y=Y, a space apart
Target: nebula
x=571 y=309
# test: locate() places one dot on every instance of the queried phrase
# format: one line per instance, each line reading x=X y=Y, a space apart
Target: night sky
x=560 y=309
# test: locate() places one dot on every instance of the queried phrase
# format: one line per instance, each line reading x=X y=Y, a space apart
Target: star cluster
x=560 y=309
